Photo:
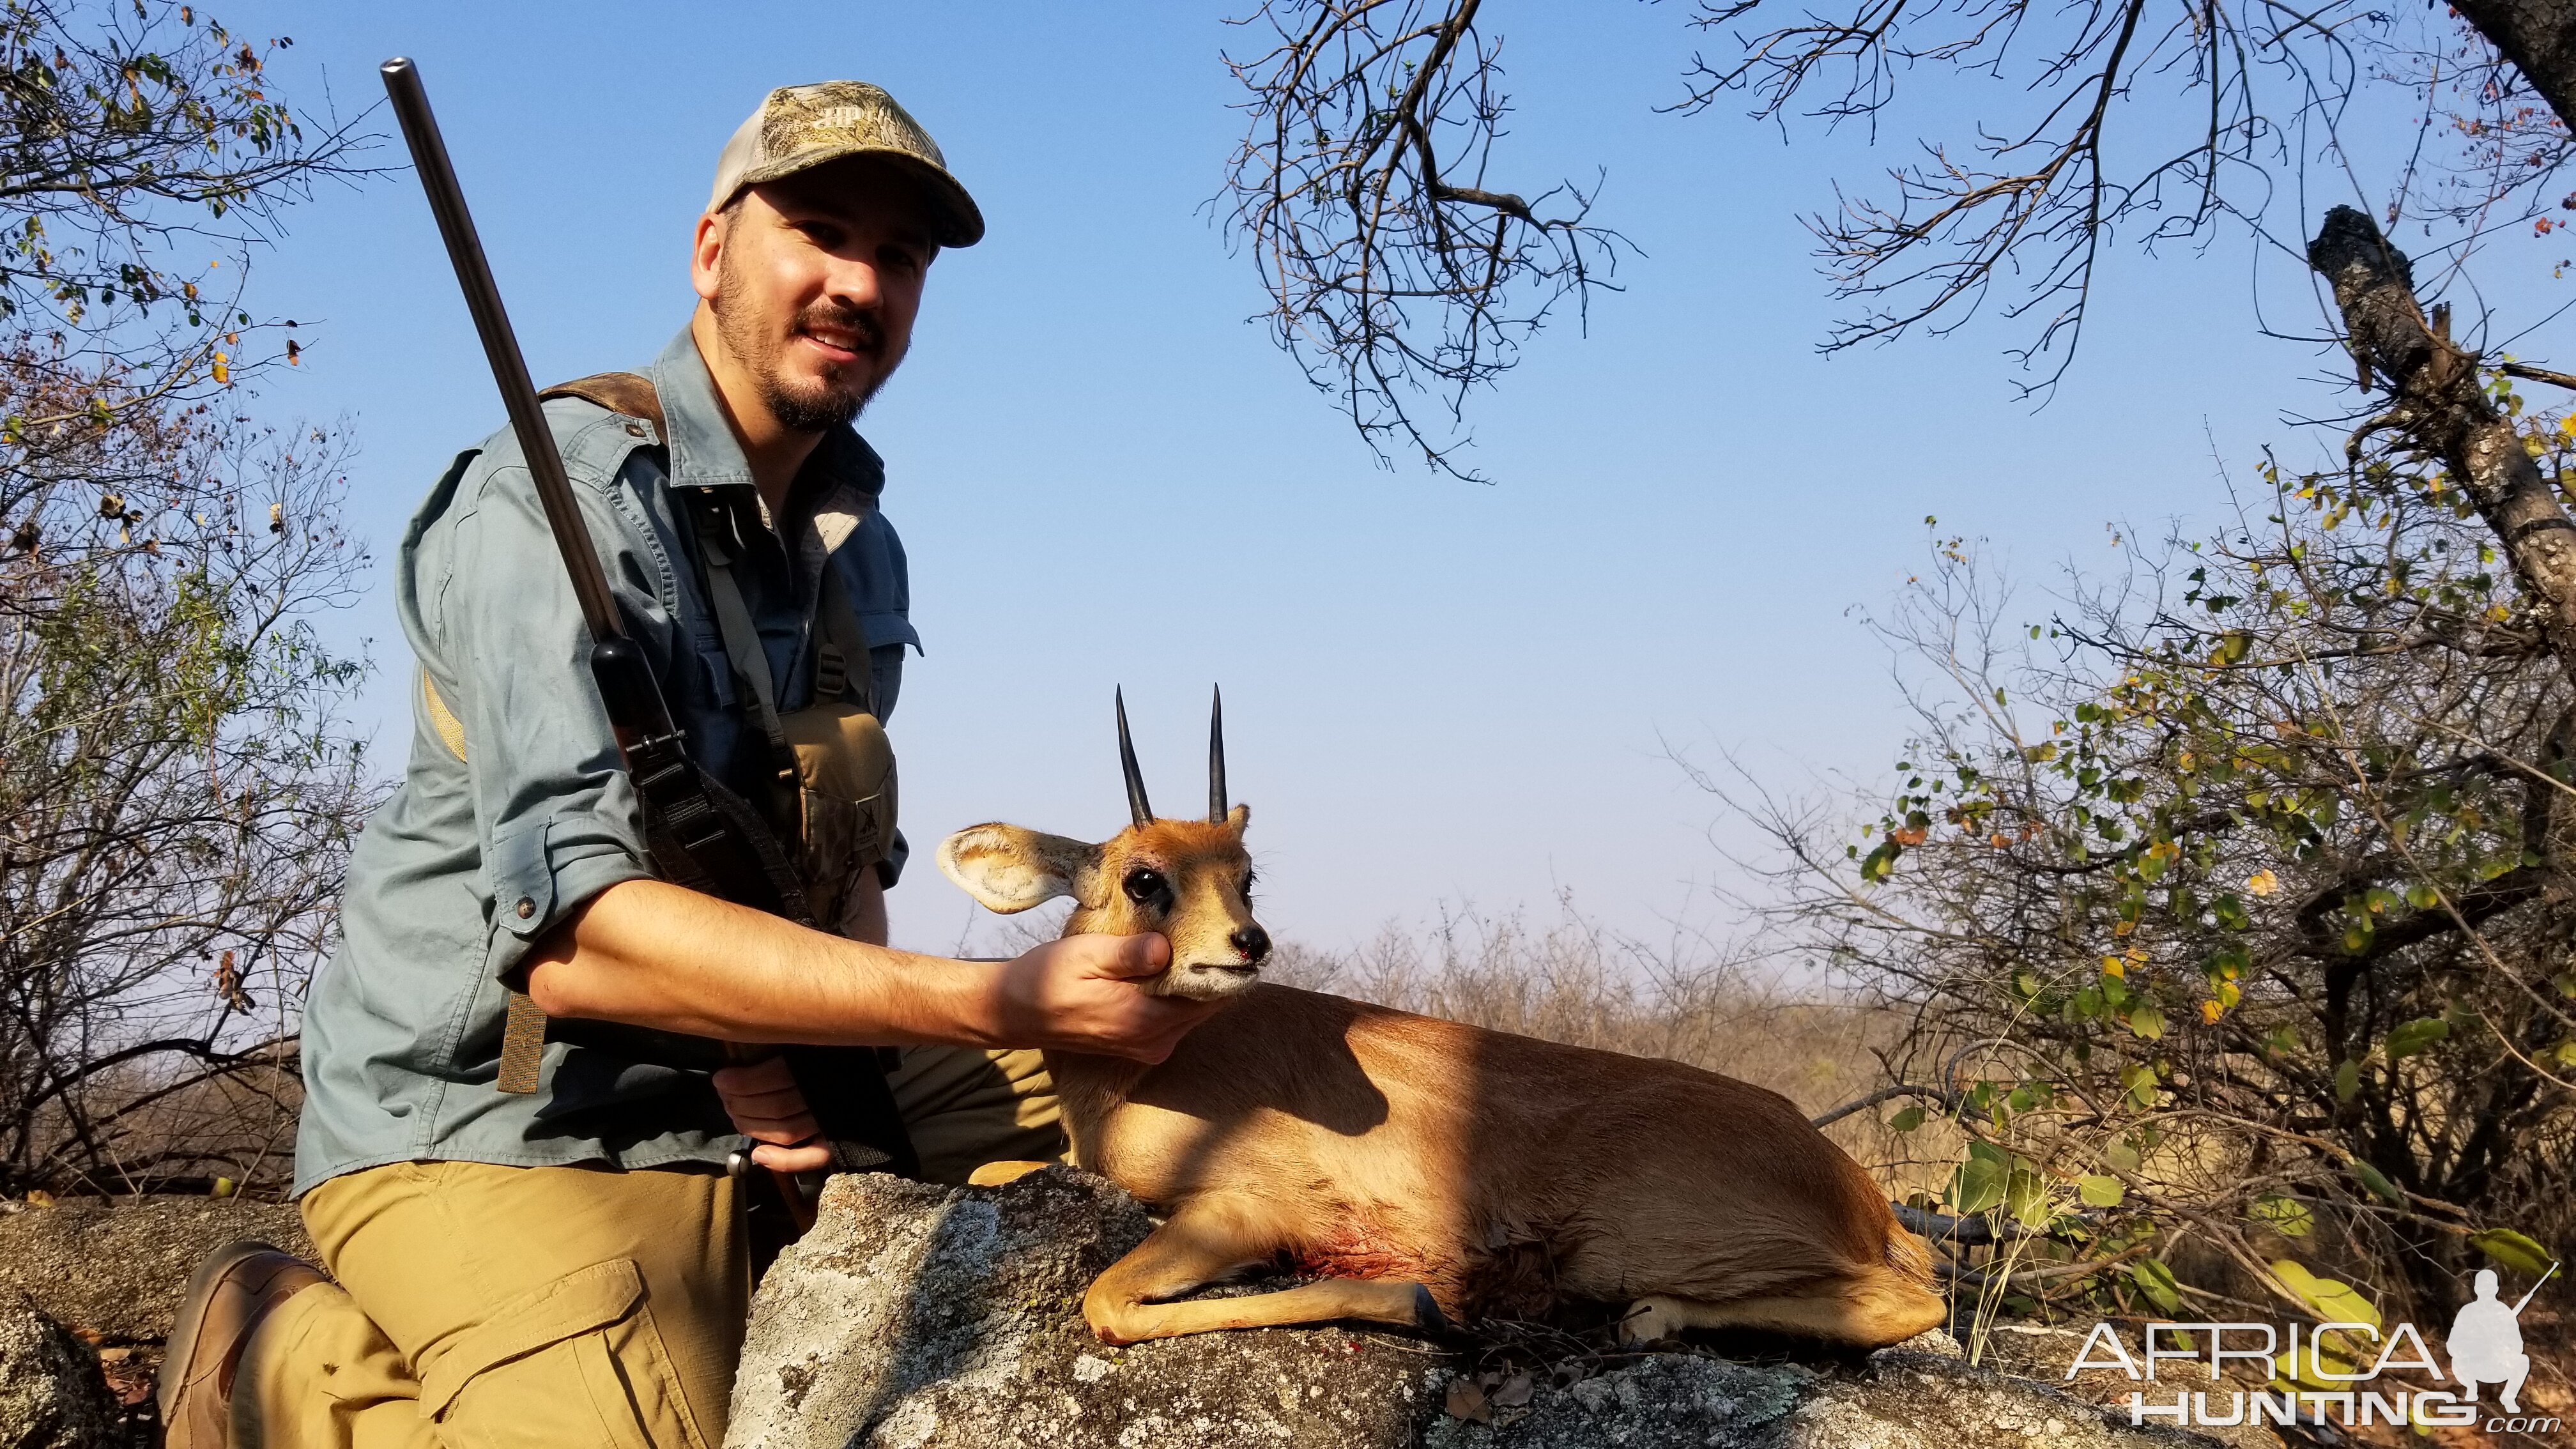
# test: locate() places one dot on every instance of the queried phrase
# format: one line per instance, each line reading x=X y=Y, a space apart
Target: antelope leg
x=1869 y=1312
x=994 y=1174
x=1207 y=1241
x=1405 y=1305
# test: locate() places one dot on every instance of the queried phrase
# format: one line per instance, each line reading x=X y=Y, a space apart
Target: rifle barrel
x=501 y=346
x=2535 y=1291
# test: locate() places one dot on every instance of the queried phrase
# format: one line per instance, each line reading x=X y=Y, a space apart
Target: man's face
x=814 y=281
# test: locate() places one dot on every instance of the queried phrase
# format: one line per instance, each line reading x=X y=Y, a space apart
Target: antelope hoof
x=995 y=1174
x=1649 y=1319
x=1426 y=1312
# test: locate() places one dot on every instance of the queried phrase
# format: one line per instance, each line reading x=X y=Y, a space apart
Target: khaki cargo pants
x=562 y=1306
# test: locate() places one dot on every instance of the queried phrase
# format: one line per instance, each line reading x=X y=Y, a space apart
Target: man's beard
x=800 y=407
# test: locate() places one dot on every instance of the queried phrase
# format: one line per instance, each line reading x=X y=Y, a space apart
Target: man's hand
x=765 y=1105
x=1080 y=994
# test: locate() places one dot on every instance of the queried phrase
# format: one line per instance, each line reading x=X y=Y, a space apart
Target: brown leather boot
x=233 y=1289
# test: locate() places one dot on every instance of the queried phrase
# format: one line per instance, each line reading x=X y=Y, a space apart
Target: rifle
x=2535 y=1289
x=699 y=834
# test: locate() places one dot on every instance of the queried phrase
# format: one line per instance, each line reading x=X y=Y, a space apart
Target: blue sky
x=1437 y=693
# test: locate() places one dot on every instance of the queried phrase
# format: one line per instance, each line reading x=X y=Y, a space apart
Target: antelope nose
x=1252 y=941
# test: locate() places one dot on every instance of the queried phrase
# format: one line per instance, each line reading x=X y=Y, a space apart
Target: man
x=566 y=1265
x=2486 y=1345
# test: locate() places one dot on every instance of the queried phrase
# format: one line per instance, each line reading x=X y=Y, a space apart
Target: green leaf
x=2099 y=1191
x=2284 y=1215
x=2378 y=1184
x=2121 y=1157
x=2146 y=1019
x=2347 y=1081
x=2332 y=1300
x=2512 y=1250
x=1979 y=1185
x=2026 y=1199
x=2411 y=1038
x=2156 y=1281
x=2422 y=896
x=1906 y=1120
x=1875 y=866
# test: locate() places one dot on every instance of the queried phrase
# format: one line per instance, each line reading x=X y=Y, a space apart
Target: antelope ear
x=1010 y=869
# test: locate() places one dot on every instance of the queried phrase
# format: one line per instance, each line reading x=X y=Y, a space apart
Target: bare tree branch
x=1396 y=273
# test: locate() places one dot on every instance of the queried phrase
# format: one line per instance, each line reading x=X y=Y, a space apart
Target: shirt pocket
x=716 y=665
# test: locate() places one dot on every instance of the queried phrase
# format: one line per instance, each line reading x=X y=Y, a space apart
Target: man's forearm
x=649 y=953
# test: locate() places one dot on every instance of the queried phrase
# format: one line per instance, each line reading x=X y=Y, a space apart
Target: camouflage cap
x=798 y=128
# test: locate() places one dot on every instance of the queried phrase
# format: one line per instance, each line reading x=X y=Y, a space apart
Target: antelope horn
x=1216 y=759
x=1136 y=805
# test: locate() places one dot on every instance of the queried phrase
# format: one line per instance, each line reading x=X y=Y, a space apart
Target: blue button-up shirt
x=402 y=1030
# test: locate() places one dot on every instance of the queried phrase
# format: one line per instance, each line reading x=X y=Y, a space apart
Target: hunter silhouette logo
x=2486 y=1342
x=2329 y=1374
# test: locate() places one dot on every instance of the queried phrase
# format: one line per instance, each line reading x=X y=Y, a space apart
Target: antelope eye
x=1144 y=886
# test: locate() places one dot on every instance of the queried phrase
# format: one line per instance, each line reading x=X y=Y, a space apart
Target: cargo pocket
x=575 y=1362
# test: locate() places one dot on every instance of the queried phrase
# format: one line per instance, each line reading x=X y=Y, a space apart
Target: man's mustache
x=870 y=335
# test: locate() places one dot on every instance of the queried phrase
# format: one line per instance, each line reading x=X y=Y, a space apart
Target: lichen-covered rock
x=913 y=1316
x=52 y=1395
x=916 y=1316
x=116 y=1270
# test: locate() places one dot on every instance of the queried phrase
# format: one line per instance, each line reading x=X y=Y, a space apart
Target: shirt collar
x=837 y=488
x=704 y=453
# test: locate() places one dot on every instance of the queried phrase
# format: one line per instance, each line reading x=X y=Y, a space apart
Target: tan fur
x=1448 y=1172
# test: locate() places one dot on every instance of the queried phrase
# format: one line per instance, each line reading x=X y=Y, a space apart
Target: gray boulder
x=914 y=1316
x=52 y=1395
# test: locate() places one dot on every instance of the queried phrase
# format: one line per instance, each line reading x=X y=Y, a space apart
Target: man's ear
x=1010 y=869
x=705 y=249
